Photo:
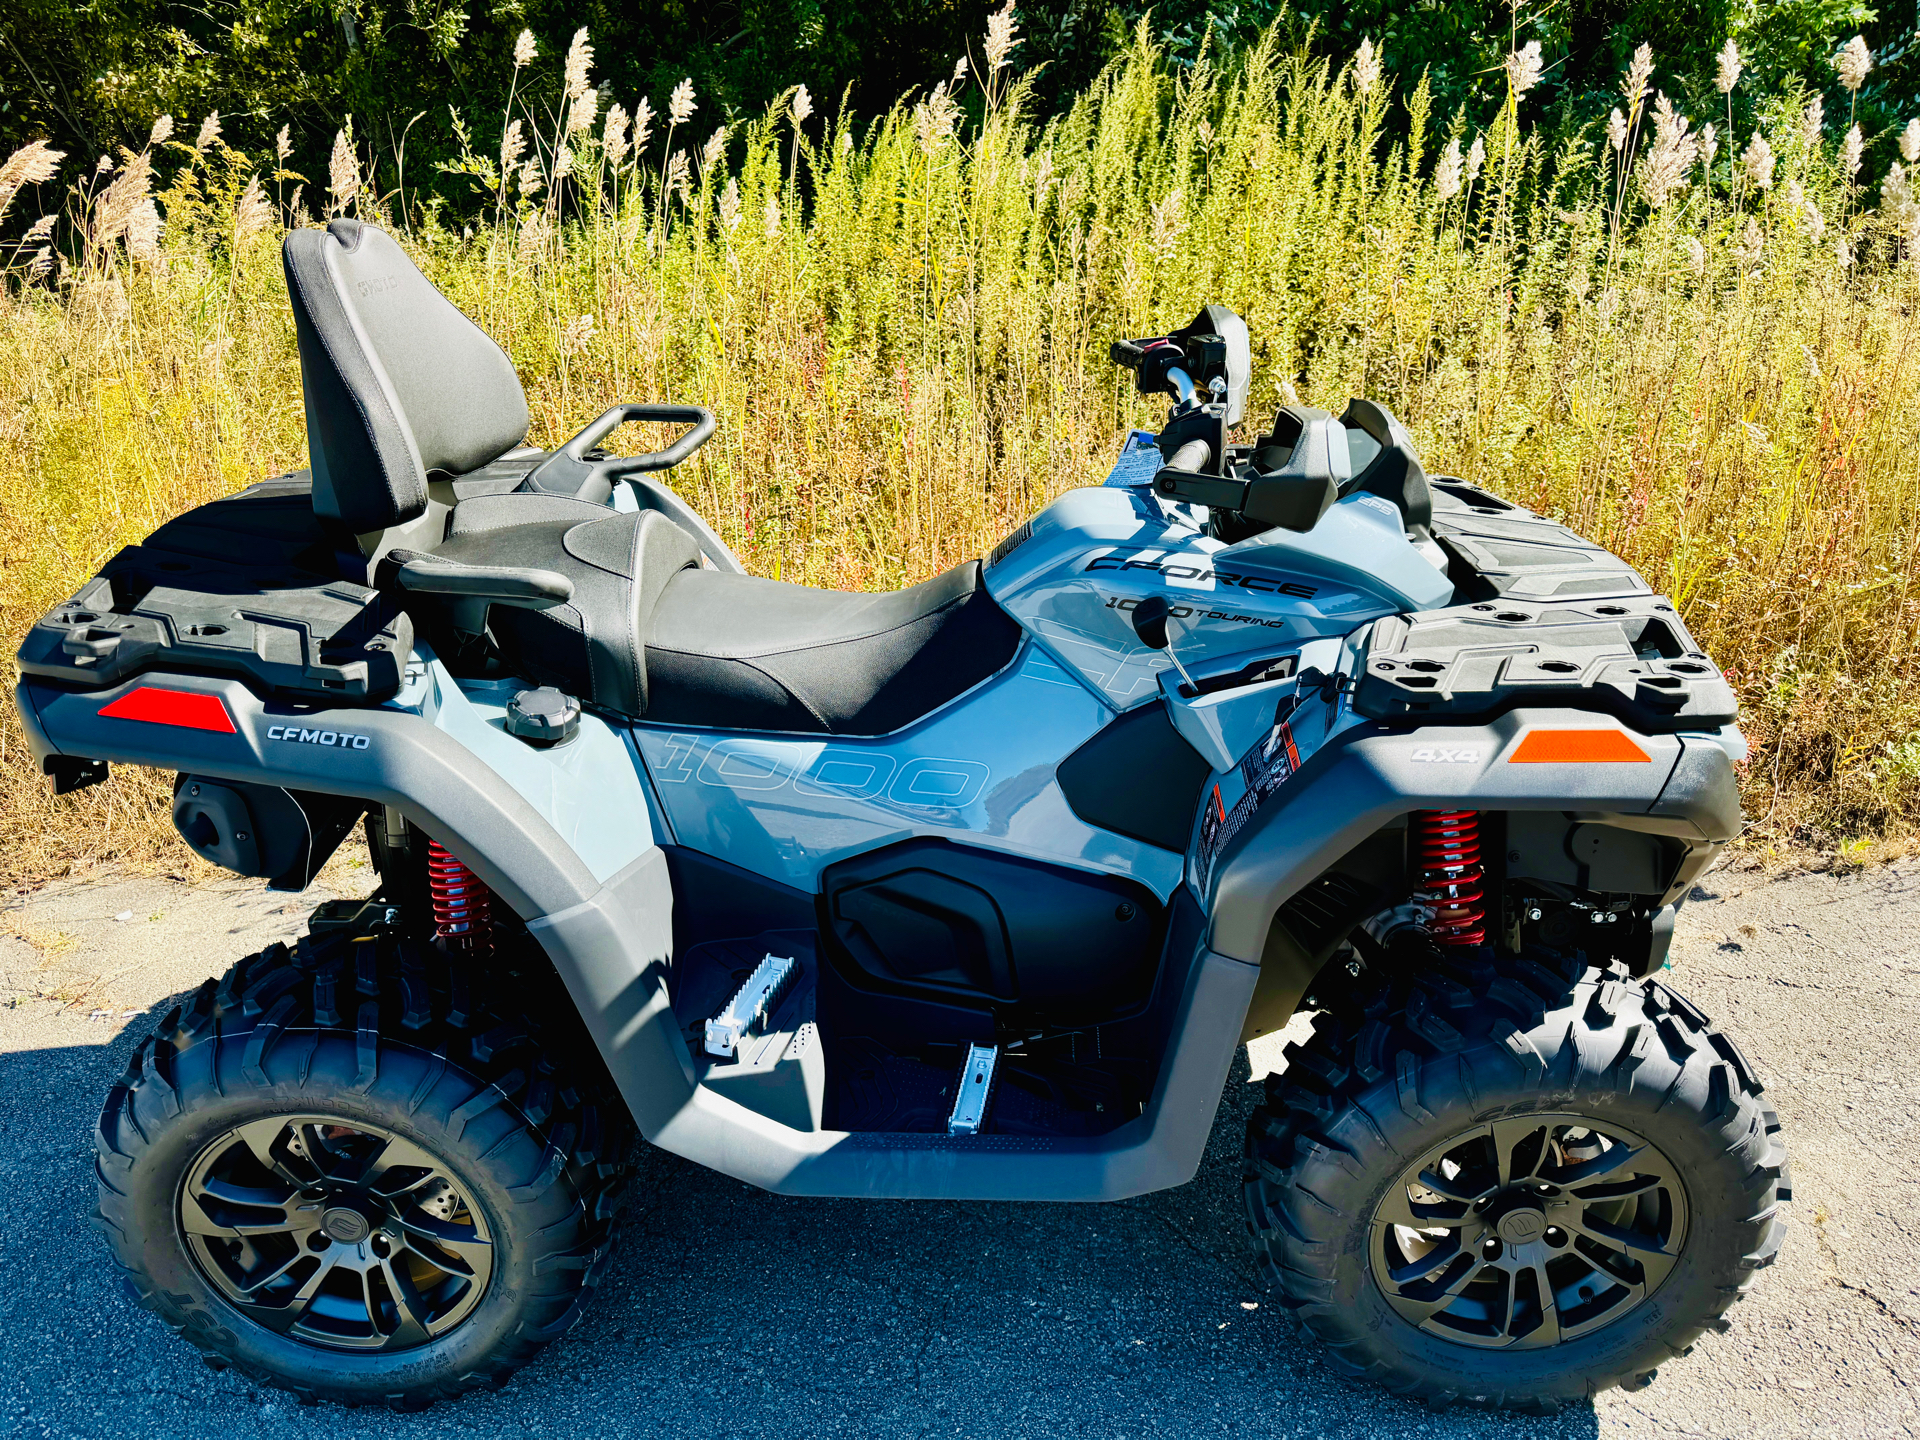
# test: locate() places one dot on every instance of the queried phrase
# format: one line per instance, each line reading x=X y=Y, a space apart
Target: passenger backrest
x=398 y=383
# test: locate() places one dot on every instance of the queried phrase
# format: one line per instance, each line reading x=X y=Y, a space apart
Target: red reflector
x=1576 y=747
x=188 y=708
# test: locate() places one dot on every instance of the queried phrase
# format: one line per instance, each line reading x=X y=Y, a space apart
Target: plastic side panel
x=980 y=770
x=1363 y=779
x=385 y=756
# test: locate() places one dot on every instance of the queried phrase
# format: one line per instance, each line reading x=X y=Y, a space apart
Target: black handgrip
x=1191 y=456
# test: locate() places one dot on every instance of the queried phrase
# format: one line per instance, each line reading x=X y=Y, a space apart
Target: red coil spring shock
x=463 y=906
x=1449 y=881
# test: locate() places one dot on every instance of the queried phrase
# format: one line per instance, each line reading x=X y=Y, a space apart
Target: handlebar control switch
x=544 y=716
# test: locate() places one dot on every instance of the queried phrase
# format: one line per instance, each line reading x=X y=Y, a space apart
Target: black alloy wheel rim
x=336 y=1233
x=1528 y=1231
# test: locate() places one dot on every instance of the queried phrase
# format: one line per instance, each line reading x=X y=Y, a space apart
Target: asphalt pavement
x=730 y=1312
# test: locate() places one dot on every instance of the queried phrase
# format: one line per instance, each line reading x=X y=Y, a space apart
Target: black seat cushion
x=740 y=652
x=619 y=564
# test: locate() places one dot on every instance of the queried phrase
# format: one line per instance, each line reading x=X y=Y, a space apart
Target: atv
x=969 y=891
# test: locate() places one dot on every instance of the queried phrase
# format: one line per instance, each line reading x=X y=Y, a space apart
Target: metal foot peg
x=976 y=1091
x=758 y=995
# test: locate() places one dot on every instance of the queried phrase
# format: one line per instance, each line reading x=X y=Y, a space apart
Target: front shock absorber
x=463 y=906
x=1450 y=884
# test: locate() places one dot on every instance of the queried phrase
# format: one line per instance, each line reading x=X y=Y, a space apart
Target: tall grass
x=902 y=327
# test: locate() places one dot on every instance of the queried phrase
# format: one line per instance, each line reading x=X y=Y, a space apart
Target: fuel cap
x=544 y=716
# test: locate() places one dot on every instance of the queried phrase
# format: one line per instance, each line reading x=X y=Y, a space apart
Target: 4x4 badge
x=1447 y=755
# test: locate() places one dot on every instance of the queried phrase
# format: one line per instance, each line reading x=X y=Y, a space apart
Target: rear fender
x=1366 y=778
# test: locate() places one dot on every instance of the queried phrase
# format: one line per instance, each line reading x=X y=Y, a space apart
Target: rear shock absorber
x=1449 y=880
x=463 y=906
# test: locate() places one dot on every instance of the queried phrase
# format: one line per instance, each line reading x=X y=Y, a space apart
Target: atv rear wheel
x=1512 y=1181
x=361 y=1171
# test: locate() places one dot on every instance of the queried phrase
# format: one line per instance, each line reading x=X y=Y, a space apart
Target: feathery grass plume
x=1750 y=244
x=209 y=131
x=1697 y=254
x=1003 y=32
x=524 y=49
x=563 y=162
x=643 y=124
x=1851 y=152
x=1168 y=222
x=1812 y=119
x=1727 y=67
x=531 y=180
x=1634 y=85
x=39 y=230
x=803 y=105
x=343 y=172
x=578 y=335
x=714 y=149
x=114 y=210
x=1664 y=168
x=1758 y=161
x=935 y=119
x=771 y=217
x=41 y=263
x=34 y=163
x=512 y=144
x=535 y=237
x=960 y=71
x=680 y=105
x=143 y=231
x=1852 y=62
x=282 y=145
x=1617 y=128
x=1709 y=144
x=1476 y=158
x=1367 y=66
x=252 y=213
x=105 y=165
x=580 y=60
x=1843 y=252
x=1523 y=68
x=678 y=178
x=730 y=206
x=1897 y=199
x=583 y=112
x=613 y=137
x=297 y=216
x=1910 y=142
x=1447 y=171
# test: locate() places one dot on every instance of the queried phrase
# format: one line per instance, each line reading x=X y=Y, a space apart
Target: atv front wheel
x=1512 y=1181
x=362 y=1171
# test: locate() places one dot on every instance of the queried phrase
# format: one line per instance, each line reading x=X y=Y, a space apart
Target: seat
x=414 y=423
x=741 y=652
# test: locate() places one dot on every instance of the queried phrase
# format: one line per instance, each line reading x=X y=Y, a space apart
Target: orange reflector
x=192 y=709
x=1575 y=747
